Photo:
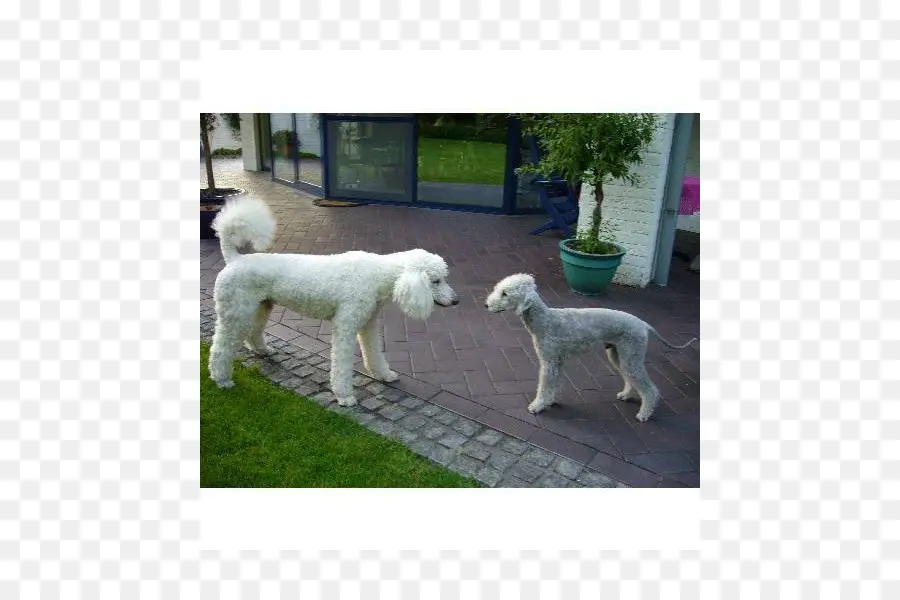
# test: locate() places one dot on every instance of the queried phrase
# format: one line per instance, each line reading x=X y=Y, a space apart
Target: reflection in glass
x=370 y=159
x=310 y=148
x=282 y=125
x=462 y=158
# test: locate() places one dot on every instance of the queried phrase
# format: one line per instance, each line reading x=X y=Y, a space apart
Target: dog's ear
x=412 y=293
x=525 y=298
x=524 y=303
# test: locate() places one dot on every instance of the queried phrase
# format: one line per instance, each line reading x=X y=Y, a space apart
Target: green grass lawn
x=461 y=161
x=257 y=434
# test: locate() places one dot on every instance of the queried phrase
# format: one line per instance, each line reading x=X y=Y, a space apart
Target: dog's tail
x=670 y=344
x=247 y=221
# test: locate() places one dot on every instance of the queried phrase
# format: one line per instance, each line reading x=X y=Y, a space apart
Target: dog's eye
x=502 y=293
x=435 y=281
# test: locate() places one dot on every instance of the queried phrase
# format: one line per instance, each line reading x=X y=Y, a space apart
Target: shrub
x=592 y=148
x=227 y=152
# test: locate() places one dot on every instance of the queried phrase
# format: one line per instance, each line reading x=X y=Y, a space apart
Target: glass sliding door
x=309 y=146
x=462 y=158
x=370 y=157
x=284 y=147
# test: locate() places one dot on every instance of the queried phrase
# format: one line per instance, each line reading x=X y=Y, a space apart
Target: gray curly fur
x=558 y=332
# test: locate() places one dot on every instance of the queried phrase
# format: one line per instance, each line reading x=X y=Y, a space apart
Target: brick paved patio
x=482 y=366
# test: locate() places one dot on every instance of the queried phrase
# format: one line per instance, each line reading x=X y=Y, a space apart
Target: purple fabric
x=690 y=196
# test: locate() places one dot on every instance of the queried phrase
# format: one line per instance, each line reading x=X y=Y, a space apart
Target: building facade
x=467 y=162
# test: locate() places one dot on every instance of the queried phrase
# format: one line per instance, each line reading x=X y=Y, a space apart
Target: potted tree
x=591 y=148
x=212 y=198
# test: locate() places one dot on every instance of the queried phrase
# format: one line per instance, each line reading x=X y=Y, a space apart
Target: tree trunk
x=207 y=153
x=597 y=214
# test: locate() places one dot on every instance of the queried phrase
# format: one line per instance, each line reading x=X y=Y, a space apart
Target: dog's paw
x=346 y=401
x=264 y=350
x=225 y=384
x=623 y=396
x=536 y=407
x=389 y=377
x=642 y=416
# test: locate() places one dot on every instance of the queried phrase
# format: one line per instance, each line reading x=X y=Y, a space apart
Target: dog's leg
x=343 y=339
x=256 y=340
x=631 y=364
x=627 y=393
x=548 y=382
x=231 y=331
x=373 y=356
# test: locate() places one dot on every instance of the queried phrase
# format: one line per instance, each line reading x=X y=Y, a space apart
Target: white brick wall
x=635 y=211
x=249 y=143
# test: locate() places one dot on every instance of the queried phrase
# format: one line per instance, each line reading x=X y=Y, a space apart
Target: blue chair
x=557 y=199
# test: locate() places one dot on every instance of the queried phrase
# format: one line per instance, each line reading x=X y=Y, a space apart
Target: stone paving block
x=411 y=402
x=445 y=418
x=453 y=440
x=361 y=380
x=514 y=482
x=502 y=460
x=413 y=422
x=568 y=468
x=423 y=447
x=303 y=371
x=382 y=426
x=292 y=363
x=430 y=410
x=594 y=479
x=403 y=436
x=476 y=450
x=393 y=395
x=526 y=470
x=288 y=383
x=393 y=412
x=434 y=432
x=363 y=417
x=442 y=454
x=376 y=387
x=553 y=480
x=279 y=376
x=323 y=398
x=466 y=427
x=266 y=368
x=542 y=458
x=489 y=437
x=466 y=465
x=306 y=388
x=515 y=446
x=489 y=476
x=372 y=403
x=319 y=376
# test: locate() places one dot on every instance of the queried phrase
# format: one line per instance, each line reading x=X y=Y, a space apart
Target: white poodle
x=558 y=332
x=348 y=289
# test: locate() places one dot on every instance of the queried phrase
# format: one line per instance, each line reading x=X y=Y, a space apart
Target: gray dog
x=557 y=332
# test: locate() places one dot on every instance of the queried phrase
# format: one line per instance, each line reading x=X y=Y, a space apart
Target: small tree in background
x=591 y=148
x=208 y=124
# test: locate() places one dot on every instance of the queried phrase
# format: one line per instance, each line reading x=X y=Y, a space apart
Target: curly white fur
x=348 y=289
x=557 y=332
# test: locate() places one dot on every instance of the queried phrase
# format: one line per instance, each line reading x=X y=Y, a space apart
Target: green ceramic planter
x=588 y=274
